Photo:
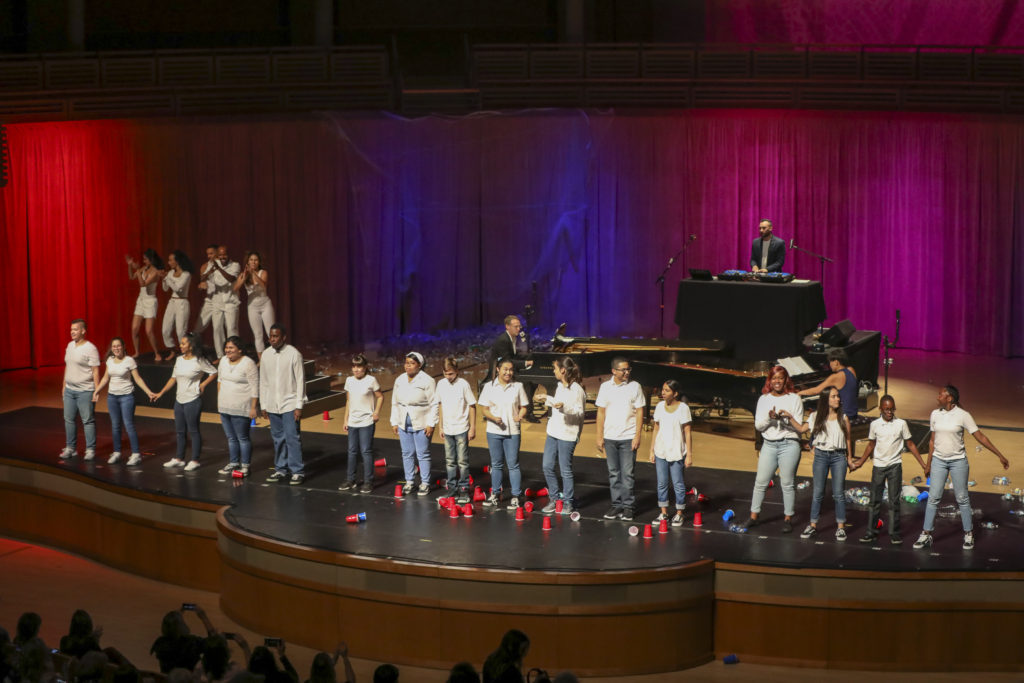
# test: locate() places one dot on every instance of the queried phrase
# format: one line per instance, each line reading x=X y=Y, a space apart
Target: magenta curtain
x=866 y=22
x=375 y=226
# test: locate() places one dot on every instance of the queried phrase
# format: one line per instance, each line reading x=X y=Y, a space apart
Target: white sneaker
x=174 y=462
x=969 y=540
x=192 y=465
x=923 y=541
x=90 y=453
x=67 y=453
x=245 y=470
x=228 y=469
x=134 y=460
x=114 y=457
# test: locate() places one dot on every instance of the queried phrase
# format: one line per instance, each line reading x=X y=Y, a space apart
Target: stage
x=285 y=560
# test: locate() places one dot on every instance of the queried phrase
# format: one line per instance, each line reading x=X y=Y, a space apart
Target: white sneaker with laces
x=969 y=540
x=192 y=466
x=923 y=541
x=134 y=460
x=114 y=457
x=228 y=469
x=66 y=453
x=174 y=462
x=90 y=453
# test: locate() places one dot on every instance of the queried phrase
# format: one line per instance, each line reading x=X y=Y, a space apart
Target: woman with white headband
x=413 y=418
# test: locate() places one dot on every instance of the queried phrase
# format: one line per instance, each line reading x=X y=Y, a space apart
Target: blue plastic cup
x=923 y=496
x=727 y=515
x=730 y=659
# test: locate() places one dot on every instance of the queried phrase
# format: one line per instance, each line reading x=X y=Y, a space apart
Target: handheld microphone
x=790 y=242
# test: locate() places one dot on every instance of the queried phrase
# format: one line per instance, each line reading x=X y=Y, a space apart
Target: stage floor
x=415 y=530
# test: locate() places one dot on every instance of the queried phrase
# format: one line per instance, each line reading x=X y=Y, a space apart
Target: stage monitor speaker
x=700 y=274
x=839 y=334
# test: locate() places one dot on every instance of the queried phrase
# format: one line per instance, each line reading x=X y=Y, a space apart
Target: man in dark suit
x=513 y=344
x=768 y=252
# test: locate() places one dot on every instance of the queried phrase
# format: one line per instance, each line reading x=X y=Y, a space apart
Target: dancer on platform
x=81 y=375
x=413 y=420
x=620 y=411
x=282 y=395
x=781 y=448
x=504 y=404
x=362 y=412
x=948 y=458
x=887 y=437
x=121 y=369
x=568 y=406
x=192 y=373
x=205 y=316
x=222 y=274
x=146 y=304
x=830 y=437
x=456 y=408
x=258 y=305
x=176 y=281
x=671 y=449
x=238 y=390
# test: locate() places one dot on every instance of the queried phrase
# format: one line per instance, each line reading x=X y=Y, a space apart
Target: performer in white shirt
x=222 y=274
x=121 y=369
x=362 y=411
x=779 y=413
x=81 y=375
x=671 y=449
x=238 y=390
x=258 y=305
x=620 y=412
x=146 y=304
x=205 y=316
x=413 y=418
x=568 y=406
x=176 y=281
x=504 y=404
x=188 y=374
x=456 y=408
x=948 y=458
x=282 y=395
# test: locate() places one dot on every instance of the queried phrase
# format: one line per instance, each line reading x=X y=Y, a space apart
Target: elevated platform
x=286 y=562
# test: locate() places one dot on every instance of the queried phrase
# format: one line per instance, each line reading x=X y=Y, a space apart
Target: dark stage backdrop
x=376 y=226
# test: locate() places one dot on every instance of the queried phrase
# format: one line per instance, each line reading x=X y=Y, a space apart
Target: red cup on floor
x=559 y=506
x=356 y=518
x=467 y=510
x=692 y=491
x=698 y=519
x=444 y=502
x=701 y=497
x=529 y=506
x=771 y=483
x=453 y=509
x=529 y=493
x=479 y=495
x=648 y=531
x=663 y=527
x=546 y=524
x=237 y=474
x=398 y=490
x=380 y=462
x=878 y=524
x=327 y=415
x=542 y=492
x=520 y=516
x=487 y=468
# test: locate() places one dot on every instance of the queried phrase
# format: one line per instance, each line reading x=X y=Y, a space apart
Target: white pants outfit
x=225 y=324
x=175 y=320
x=261 y=317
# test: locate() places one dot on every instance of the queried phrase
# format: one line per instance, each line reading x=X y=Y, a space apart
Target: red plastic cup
x=237 y=474
x=444 y=502
x=479 y=495
x=698 y=519
x=701 y=497
x=542 y=492
x=648 y=531
x=546 y=524
x=487 y=468
x=529 y=506
x=878 y=524
x=327 y=415
x=453 y=509
x=663 y=527
x=520 y=516
x=559 y=505
x=692 y=491
x=356 y=518
x=771 y=483
x=467 y=510
x=471 y=480
x=529 y=493
x=380 y=462
x=398 y=490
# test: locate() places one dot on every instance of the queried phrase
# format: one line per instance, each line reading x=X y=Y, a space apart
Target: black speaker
x=839 y=334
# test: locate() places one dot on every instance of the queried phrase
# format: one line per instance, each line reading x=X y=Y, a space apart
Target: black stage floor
x=415 y=529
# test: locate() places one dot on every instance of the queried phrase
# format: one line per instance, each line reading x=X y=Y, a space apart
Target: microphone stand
x=822 y=259
x=886 y=362
x=661 y=284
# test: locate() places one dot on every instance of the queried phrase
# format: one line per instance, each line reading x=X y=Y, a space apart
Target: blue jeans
x=456 y=460
x=186 y=419
x=79 y=403
x=122 y=412
x=825 y=462
x=557 y=450
x=236 y=429
x=284 y=430
x=360 y=443
x=621 y=461
x=670 y=470
x=959 y=471
x=415 y=449
x=505 y=449
x=784 y=456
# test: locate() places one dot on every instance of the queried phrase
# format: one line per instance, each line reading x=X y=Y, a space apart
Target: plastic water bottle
x=1000 y=481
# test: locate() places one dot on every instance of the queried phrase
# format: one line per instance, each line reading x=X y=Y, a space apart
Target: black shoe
x=277 y=477
x=895 y=539
x=347 y=486
x=613 y=512
x=367 y=487
x=870 y=538
x=787 y=526
x=751 y=523
x=626 y=515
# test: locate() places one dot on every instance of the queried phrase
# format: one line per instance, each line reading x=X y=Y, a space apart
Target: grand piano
x=714 y=376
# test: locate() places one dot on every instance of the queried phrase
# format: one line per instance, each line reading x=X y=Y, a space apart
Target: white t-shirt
x=120 y=373
x=413 y=398
x=620 y=402
x=948 y=427
x=504 y=402
x=237 y=386
x=832 y=438
x=361 y=399
x=188 y=374
x=257 y=290
x=670 y=444
x=774 y=430
x=177 y=286
x=889 y=438
x=565 y=423
x=454 y=398
x=225 y=293
x=79 y=360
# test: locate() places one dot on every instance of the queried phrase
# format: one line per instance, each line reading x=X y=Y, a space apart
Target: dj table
x=761 y=321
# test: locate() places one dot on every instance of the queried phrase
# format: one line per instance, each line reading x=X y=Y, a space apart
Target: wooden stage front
x=411 y=585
